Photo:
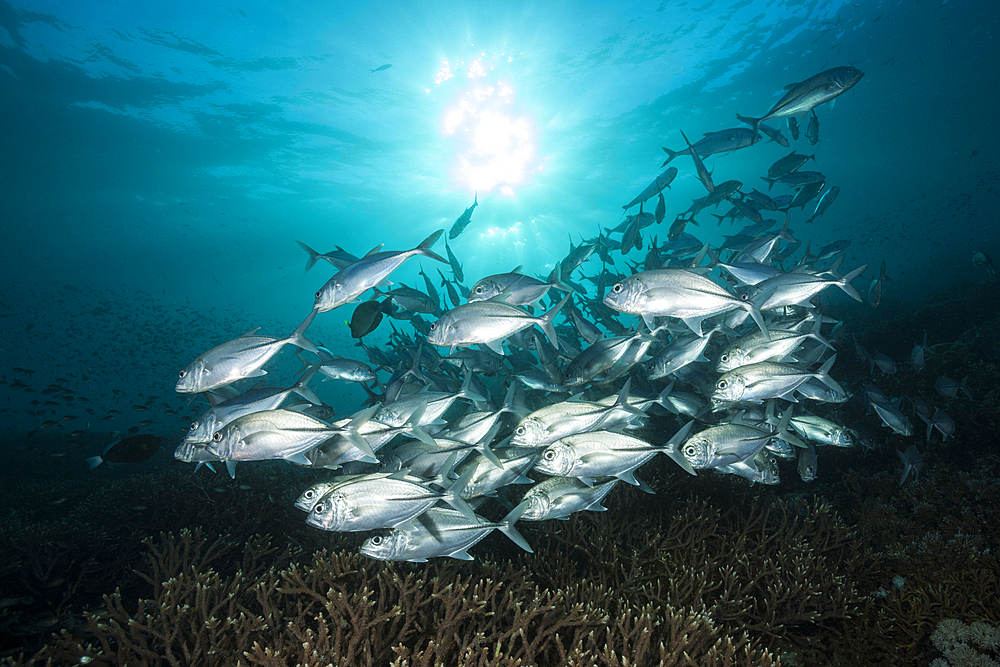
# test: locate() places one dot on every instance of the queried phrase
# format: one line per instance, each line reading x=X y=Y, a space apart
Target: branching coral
x=342 y=610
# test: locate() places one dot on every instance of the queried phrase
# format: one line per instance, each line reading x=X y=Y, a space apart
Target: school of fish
x=717 y=357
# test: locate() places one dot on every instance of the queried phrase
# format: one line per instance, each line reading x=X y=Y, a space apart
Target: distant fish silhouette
x=912 y=461
x=381 y=67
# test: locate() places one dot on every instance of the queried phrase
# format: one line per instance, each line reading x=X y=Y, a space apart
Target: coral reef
x=965 y=645
x=342 y=609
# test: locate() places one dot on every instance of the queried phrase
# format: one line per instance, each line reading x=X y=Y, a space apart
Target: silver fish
x=724 y=444
x=822 y=431
x=487 y=478
x=607 y=454
x=253 y=400
x=558 y=497
x=949 y=388
x=464 y=219
x=805 y=96
x=654 y=188
x=675 y=293
x=281 y=434
x=368 y=503
x=755 y=348
x=488 y=323
x=761 y=467
x=912 y=460
x=893 y=418
x=517 y=288
x=370 y=271
x=723 y=141
x=237 y=359
x=552 y=422
x=808 y=463
x=758 y=382
x=438 y=532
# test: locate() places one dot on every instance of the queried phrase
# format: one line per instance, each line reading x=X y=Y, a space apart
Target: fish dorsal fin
x=374 y=250
x=791 y=85
x=517 y=269
x=250 y=333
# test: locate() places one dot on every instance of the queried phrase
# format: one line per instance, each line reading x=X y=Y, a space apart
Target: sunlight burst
x=495 y=142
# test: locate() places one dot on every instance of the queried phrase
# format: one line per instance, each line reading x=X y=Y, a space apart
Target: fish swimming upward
x=463 y=220
x=803 y=97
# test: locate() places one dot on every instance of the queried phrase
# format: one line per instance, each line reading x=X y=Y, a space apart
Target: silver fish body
x=438 y=532
x=675 y=293
x=822 y=431
x=758 y=382
x=489 y=323
x=369 y=503
x=368 y=272
x=722 y=445
x=606 y=454
x=487 y=477
x=803 y=97
x=278 y=434
x=234 y=360
x=559 y=497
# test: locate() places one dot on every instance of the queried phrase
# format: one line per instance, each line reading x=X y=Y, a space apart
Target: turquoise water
x=161 y=159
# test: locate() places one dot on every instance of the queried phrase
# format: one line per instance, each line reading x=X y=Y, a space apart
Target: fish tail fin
x=546 y=321
x=670 y=156
x=508 y=529
x=301 y=387
x=770 y=182
x=355 y=438
x=430 y=240
x=298 y=339
x=425 y=247
x=313 y=255
x=673 y=448
x=754 y=312
x=845 y=283
x=467 y=392
x=484 y=445
x=94 y=461
x=755 y=123
x=453 y=495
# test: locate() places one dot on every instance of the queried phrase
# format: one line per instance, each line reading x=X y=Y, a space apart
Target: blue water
x=159 y=160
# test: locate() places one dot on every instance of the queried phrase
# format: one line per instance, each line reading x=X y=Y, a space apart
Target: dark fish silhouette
x=134 y=449
x=381 y=67
x=366 y=318
x=463 y=220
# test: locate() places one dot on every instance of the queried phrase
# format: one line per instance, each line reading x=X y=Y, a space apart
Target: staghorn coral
x=342 y=610
x=955 y=640
x=764 y=568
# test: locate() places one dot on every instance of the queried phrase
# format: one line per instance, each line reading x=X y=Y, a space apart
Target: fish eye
x=194 y=426
x=549 y=455
x=433 y=326
x=724 y=357
x=617 y=288
x=217 y=436
x=519 y=430
x=318 y=293
x=690 y=450
x=479 y=289
x=376 y=540
x=723 y=384
x=745 y=296
x=309 y=494
x=320 y=508
x=182 y=374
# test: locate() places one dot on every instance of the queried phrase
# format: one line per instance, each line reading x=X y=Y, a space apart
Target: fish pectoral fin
x=299 y=459
x=461 y=555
